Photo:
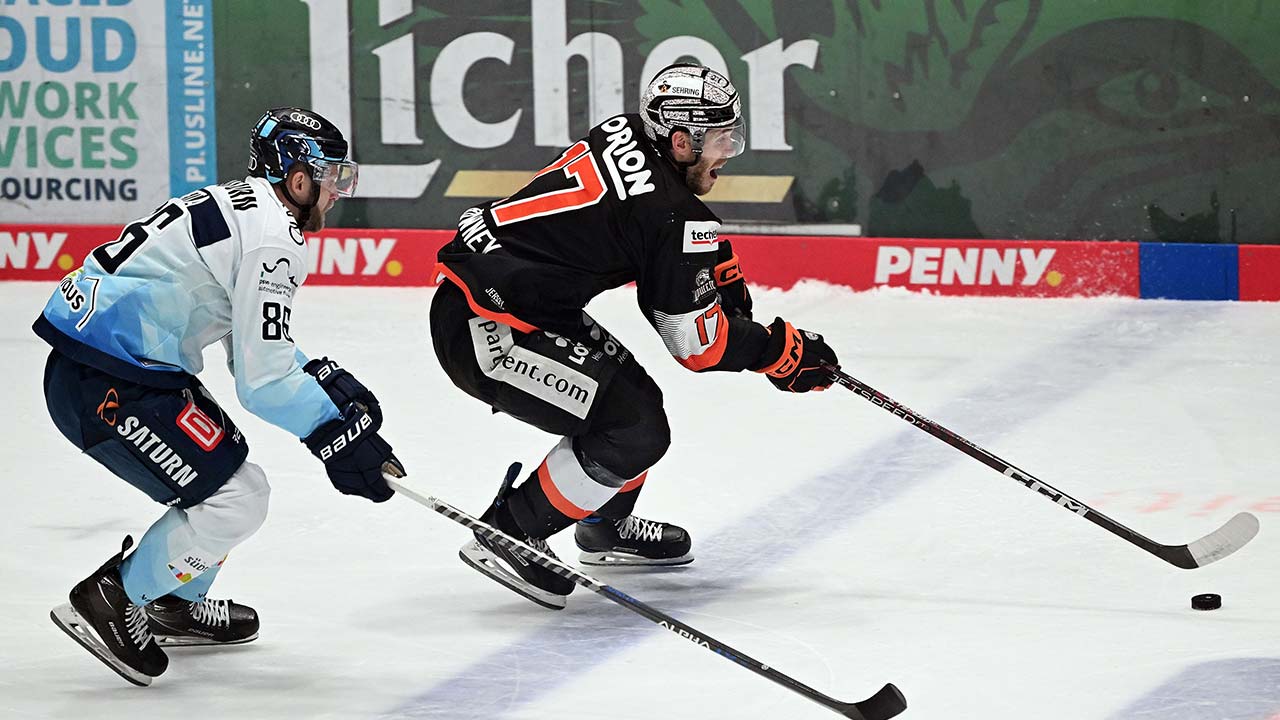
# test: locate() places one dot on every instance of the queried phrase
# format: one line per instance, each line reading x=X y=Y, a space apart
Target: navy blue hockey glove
x=353 y=453
x=793 y=359
x=342 y=386
x=731 y=286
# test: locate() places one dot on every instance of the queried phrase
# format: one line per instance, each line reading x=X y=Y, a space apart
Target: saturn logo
x=107 y=410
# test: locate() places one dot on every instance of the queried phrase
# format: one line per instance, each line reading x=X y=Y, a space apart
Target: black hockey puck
x=1208 y=601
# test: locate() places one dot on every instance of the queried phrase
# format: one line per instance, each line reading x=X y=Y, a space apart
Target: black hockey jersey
x=608 y=211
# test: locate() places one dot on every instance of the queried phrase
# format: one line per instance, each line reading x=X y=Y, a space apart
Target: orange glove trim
x=728 y=271
x=792 y=349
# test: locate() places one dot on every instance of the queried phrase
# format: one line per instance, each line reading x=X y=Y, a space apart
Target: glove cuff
x=728 y=272
x=323 y=370
x=788 y=343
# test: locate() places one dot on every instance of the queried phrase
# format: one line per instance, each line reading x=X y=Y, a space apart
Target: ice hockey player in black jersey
x=128 y=329
x=507 y=323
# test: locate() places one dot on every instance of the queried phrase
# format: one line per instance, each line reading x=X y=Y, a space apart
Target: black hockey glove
x=343 y=387
x=793 y=359
x=735 y=299
x=353 y=453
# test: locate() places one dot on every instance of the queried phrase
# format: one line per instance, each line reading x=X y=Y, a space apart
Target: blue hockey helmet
x=288 y=135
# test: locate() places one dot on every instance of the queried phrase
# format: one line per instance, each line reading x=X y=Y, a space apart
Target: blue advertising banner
x=193 y=153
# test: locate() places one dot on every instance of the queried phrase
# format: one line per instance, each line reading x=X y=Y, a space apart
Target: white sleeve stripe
x=681 y=334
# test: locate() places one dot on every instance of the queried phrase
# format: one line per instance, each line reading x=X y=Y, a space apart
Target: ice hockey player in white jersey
x=127 y=329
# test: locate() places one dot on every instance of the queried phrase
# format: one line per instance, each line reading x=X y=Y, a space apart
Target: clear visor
x=726 y=142
x=337 y=176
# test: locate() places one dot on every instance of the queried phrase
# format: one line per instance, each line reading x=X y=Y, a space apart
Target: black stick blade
x=885 y=704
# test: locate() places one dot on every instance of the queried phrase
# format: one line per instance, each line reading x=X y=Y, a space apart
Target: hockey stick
x=885 y=704
x=1218 y=544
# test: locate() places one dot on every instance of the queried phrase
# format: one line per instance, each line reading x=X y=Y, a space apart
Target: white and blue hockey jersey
x=221 y=263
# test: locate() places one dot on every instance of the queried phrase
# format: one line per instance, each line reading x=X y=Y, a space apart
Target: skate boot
x=101 y=618
x=631 y=541
x=508 y=567
x=176 y=621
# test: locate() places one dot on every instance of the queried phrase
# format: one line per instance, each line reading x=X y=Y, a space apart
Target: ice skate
x=510 y=568
x=631 y=541
x=177 y=622
x=103 y=619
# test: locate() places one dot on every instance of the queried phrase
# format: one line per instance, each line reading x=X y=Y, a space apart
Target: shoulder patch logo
x=701 y=236
x=268 y=284
x=703 y=285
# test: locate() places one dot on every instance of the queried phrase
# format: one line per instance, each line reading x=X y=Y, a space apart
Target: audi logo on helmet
x=306 y=120
x=285 y=135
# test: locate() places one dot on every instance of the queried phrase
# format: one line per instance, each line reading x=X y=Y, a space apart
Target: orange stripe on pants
x=558 y=500
x=634 y=484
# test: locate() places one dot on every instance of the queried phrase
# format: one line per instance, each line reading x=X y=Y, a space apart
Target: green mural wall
x=930 y=118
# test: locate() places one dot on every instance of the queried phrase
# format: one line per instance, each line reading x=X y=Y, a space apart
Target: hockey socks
x=565 y=488
x=168 y=556
x=621 y=505
x=182 y=551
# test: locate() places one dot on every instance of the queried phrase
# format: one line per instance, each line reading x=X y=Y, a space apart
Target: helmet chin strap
x=304 y=209
x=665 y=149
x=684 y=166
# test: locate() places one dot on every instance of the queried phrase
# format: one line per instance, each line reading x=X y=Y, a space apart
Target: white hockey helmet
x=696 y=99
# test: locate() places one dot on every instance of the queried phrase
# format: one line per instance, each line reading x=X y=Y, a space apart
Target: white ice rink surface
x=833 y=541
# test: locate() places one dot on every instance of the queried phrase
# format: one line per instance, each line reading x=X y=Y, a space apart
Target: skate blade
x=172 y=641
x=482 y=559
x=617 y=559
x=66 y=617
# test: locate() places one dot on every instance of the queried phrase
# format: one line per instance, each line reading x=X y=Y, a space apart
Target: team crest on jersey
x=704 y=285
x=701 y=236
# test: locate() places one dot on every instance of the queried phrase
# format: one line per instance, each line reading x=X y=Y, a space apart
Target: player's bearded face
x=324 y=203
x=717 y=148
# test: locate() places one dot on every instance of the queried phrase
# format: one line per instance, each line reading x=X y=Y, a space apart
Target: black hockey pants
x=583 y=385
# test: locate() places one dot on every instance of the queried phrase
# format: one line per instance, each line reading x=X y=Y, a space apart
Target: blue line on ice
x=1231 y=689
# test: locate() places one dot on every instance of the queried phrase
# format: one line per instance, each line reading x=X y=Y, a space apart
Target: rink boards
x=1009 y=268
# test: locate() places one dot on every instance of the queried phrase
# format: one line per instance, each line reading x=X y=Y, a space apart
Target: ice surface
x=833 y=542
